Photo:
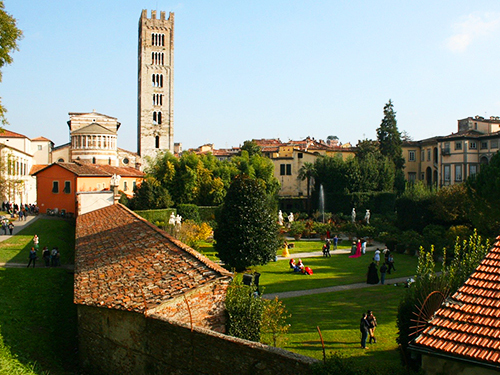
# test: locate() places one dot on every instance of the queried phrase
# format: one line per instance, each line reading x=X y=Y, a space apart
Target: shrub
x=244 y=311
x=297 y=228
x=189 y=212
x=192 y=233
x=274 y=323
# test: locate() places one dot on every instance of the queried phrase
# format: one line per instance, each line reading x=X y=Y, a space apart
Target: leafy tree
x=483 y=189
x=247 y=232
x=274 y=322
x=9 y=37
x=252 y=148
x=389 y=137
x=307 y=172
x=150 y=194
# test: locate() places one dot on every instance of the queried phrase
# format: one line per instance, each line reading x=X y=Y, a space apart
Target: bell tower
x=155 y=112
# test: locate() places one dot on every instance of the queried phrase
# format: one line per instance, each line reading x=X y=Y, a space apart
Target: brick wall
x=121 y=342
x=206 y=307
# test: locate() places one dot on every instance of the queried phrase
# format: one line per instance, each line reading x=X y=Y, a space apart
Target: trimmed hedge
x=153 y=216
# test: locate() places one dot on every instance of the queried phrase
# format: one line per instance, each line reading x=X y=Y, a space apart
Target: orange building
x=59 y=183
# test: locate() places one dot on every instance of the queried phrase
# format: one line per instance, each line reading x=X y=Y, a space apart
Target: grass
x=38 y=321
x=51 y=232
x=338 y=315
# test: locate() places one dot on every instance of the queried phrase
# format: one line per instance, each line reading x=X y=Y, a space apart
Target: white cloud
x=470 y=28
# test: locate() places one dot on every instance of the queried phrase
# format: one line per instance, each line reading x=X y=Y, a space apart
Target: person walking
x=372 y=324
x=4 y=226
x=383 y=270
x=390 y=260
x=46 y=256
x=376 y=257
x=32 y=257
x=36 y=241
x=364 y=327
x=335 y=242
x=11 y=227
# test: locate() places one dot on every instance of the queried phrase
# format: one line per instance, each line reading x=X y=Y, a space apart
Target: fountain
x=322 y=202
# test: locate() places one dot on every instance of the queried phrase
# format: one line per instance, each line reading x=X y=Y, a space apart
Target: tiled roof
x=469 y=326
x=37 y=167
x=41 y=139
x=88 y=170
x=124 y=262
x=8 y=134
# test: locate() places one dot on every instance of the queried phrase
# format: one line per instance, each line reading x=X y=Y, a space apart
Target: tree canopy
x=9 y=37
x=247 y=231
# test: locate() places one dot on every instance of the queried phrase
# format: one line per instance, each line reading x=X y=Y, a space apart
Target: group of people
x=51 y=258
x=328 y=245
x=7 y=225
x=358 y=248
x=21 y=210
x=299 y=267
x=385 y=268
x=367 y=327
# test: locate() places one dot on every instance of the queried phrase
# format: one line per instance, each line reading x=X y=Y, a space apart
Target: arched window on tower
x=161 y=80
x=153 y=80
x=162 y=55
x=159 y=117
x=157 y=141
x=93 y=160
x=154 y=118
x=162 y=40
x=152 y=39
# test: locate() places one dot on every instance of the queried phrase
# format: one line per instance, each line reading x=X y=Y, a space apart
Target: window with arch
x=157 y=141
x=60 y=160
x=157 y=80
x=157 y=39
x=155 y=121
x=159 y=117
x=93 y=160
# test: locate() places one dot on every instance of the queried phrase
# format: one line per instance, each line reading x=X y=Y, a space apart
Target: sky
x=259 y=69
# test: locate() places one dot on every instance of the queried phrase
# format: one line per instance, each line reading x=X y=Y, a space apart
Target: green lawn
x=51 y=232
x=337 y=315
x=337 y=270
x=38 y=322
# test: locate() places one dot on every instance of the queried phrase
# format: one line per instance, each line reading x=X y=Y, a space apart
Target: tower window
x=159 y=117
x=93 y=160
x=157 y=141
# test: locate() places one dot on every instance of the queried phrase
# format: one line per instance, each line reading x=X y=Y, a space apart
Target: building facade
x=451 y=159
x=155 y=120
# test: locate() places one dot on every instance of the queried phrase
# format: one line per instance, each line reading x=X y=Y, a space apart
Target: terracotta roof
x=41 y=139
x=469 y=326
x=124 y=262
x=8 y=134
x=37 y=167
x=87 y=170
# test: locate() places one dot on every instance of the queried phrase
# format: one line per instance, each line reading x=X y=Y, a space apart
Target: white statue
x=178 y=220
x=353 y=215
x=367 y=216
x=115 y=179
x=290 y=217
x=171 y=221
x=280 y=218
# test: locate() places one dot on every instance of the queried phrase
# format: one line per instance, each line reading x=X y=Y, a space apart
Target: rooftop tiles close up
x=126 y=263
x=471 y=327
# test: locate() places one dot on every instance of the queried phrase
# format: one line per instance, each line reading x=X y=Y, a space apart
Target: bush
x=274 y=322
x=156 y=215
x=192 y=233
x=189 y=212
x=244 y=311
x=410 y=241
x=297 y=228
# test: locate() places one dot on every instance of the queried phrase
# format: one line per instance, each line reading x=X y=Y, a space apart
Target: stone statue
x=367 y=216
x=171 y=221
x=353 y=215
x=178 y=220
x=280 y=218
x=115 y=179
x=290 y=217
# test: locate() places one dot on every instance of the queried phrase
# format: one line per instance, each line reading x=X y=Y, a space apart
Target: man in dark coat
x=364 y=327
x=372 y=277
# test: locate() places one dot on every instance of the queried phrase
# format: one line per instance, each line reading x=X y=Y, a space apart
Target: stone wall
x=120 y=342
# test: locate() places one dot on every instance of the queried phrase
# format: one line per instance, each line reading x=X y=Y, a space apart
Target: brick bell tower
x=155 y=112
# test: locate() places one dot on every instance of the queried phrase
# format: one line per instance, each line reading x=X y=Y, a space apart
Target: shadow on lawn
x=38 y=318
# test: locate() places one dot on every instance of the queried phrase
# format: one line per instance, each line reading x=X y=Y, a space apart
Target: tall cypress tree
x=389 y=137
